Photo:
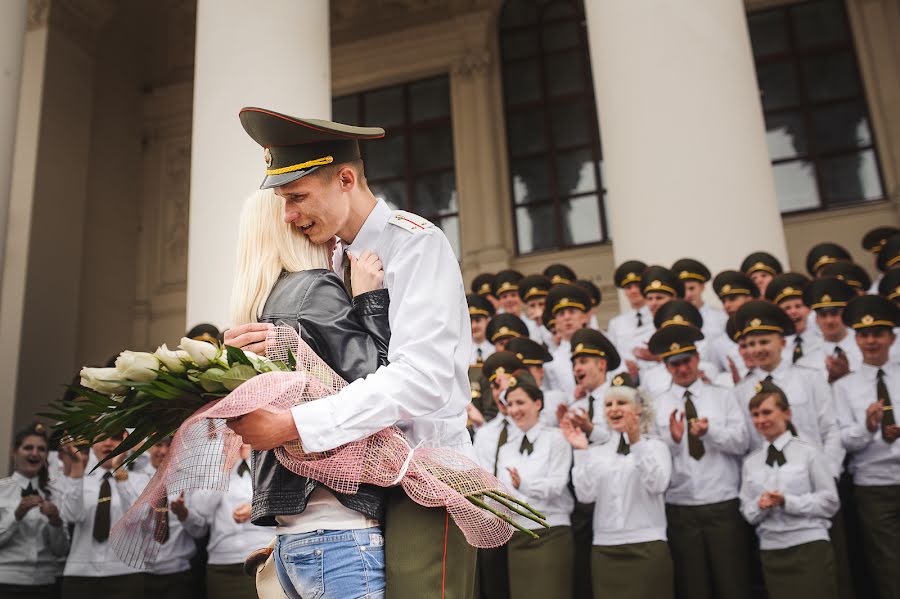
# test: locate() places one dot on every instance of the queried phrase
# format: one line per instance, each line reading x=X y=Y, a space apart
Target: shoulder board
x=409 y=221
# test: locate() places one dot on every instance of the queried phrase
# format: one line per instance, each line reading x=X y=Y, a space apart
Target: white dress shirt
x=229 y=541
x=726 y=352
x=810 y=494
x=558 y=372
x=811 y=345
x=425 y=388
x=175 y=554
x=78 y=505
x=623 y=329
x=873 y=461
x=487 y=437
x=823 y=348
x=600 y=434
x=627 y=490
x=486 y=348
x=714 y=320
x=544 y=474
x=30 y=548
x=812 y=409
x=552 y=400
x=716 y=476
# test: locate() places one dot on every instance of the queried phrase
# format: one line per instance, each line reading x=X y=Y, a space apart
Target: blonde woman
x=325 y=540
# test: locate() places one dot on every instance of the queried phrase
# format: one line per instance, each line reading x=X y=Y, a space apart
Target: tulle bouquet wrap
x=204 y=450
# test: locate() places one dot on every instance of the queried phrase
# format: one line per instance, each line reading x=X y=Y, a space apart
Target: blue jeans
x=331 y=564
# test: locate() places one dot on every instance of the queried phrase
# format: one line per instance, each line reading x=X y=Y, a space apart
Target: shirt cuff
x=314 y=420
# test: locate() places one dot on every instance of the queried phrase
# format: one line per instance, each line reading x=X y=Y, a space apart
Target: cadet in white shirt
x=786 y=292
x=695 y=276
x=569 y=305
x=659 y=286
x=704 y=429
x=869 y=431
x=626 y=477
x=480 y=313
x=33 y=536
x=761 y=267
x=504 y=327
x=506 y=290
x=536 y=469
x=483 y=286
x=837 y=355
x=789 y=494
x=534 y=356
x=632 y=320
x=93 y=501
x=734 y=289
x=232 y=537
x=533 y=290
x=596 y=297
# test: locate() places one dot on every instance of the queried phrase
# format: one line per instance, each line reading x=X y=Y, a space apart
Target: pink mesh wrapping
x=204 y=451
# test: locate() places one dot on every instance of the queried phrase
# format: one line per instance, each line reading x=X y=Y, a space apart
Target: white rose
x=201 y=352
x=98 y=380
x=137 y=366
x=172 y=360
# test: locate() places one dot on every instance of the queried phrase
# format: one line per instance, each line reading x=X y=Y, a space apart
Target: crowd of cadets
x=688 y=450
x=654 y=448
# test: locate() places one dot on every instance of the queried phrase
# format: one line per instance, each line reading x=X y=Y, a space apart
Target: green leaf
x=237 y=356
x=177 y=381
x=235 y=376
x=211 y=380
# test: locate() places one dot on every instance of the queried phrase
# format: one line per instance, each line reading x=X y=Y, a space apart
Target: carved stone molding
x=472 y=62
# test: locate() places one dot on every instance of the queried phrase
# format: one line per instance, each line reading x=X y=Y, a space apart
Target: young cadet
x=743 y=366
x=560 y=273
x=480 y=313
x=634 y=319
x=761 y=267
x=534 y=355
x=94 y=500
x=506 y=290
x=483 y=286
x=734 y=289
x=533 y=290
x=569 y=305
x=626 y=477
x=788 y=494
x=504 y=327
x=838 y=354
x=705 y=430
x=594 y=293
x=865 y=401
x=825 y=253
x=695 y=276
x=658 y=285
x=673 y=313
x=536 y=470
x=786 y=292
x=850 y=273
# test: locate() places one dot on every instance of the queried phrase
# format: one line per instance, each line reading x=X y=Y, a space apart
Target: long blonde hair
x=267 y=246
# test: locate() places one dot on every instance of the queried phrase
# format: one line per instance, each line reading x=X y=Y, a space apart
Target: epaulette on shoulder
x=409 y=221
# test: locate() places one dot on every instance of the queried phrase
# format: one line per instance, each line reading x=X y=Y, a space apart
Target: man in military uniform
x=837 y=354
x=506 y=290
x=533 y=290
x=786 y=292
x=825 y=253
x=569 y=304
x=316 y=167
x=634 y=320
x=695 y=276
x=480 y=313
x=761 y=267
x=504 y=327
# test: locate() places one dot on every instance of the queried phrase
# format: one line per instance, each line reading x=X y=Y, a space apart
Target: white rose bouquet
x=153 y=394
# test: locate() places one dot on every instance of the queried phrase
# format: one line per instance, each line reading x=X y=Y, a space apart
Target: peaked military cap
x=850 y=273
x=768 y=387
x=524 y=380
x=560 y=273
x=629 y=272
x=678 y=312
x=732 y=282
x=548 y=319
x=689 y=269
x=875 y=239
x=760 y=316
x=661 y=280
x=501 y=362
x=503 y=326
x=478 y=306
x=534 y=286
x=529 y=352
x=294 y=147
x=761 y=262
x=674 y=341
x=785 y=286
x=732 y=330
x=868 y=311
x=204 y=332
x=824 y=253
x=592 y=290
x=889 y=287
x=506 y=280
x=588 y=342
x=889 y=255
x=565 y=295
x=623 y=379
x=829 y=292
x=483 y=284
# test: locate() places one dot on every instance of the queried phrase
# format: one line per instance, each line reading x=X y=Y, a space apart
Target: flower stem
x=522 y=503
x=513 y=508
x=503 y=517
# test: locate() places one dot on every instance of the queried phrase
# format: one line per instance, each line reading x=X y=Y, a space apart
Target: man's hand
x=242 y=513
x=633 y=369
x=642 y=353
x=699 y=427
x=476 y=419
x=580 y=419
x=366 y=273
x=265 y=430
x=874 y=414
x=891 y=433
x=177 y=507
x=562 y=411
x=575 y=436
x=249 y=337
x=26 y=505
x=735 y=375
x=676 y=426
x=514 y=475
x=837 y=367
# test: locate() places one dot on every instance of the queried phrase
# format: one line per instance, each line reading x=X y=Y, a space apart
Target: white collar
x=783 y=440
x=23 y=481
x=371 y=229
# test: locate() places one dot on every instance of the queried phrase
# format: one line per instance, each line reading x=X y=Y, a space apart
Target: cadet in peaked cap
x=672 y=342
x=629 y=327
x=570 y=306
x=568 y=296
x=534 y=355
x=480 y=312
x=678 y=312
x=824 y=253
x=786 y=292
x=870 y=311
x=889 y=286
x=502 y=362
x=760 y=317
x=504 y=327
x=889 y=256
x=875 y=239
x=786 y=285
x=483 y=285
x=689 y=269
x=826 y=293
x=534 y=287
x=588 y=342
x=529 y=352
x=560 y=273
x=852 y=274
x=205 y=332
x=629 y=273
x=761 y=267
x=594 y=293
x=839 y=353
x=659 y=285
x=506 y=290
x=695 y=275
x=734 y=289
x=533 y=290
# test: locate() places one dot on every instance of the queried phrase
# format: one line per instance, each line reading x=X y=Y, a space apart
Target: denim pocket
x=304 y=566
x=371 y=552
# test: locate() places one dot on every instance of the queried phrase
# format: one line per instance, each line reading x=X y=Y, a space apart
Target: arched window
x=551 y=125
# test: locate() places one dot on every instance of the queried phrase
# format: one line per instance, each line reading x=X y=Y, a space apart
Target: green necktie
x=347 y=273
x=526 y=445
x=775 y=457
x=695 y=445
x=101 y=516
x=798 y=348
x=501 y=441
x=161 y=524
x=887 y=413
x=591 y=408
x=623 y=446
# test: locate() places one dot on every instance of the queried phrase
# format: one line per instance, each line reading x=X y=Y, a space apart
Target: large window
x=551 y=125
x=412 y=168
x=817 y=123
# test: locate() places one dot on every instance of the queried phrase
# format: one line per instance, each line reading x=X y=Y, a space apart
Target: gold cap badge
x=826 y=298
x=485 y=288
x=678 y=318
x=867 y=319
x=618 y=381
x=503 y=330
x=579 y=347
x=675 y=347
x=656 y=284
x=726 y=288
x=758 y=387
x=787 y=291
x=755 y=322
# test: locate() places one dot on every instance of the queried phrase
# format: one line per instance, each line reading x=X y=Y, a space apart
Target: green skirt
x=632 y=571
x=541 y=567
x=805 y=570
x=228 y=581
x=126 y=586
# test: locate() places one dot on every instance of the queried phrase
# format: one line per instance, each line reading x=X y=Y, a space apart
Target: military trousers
x=879 y=515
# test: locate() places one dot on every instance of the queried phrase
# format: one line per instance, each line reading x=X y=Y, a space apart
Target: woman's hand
x=476 y=419
x=633 y=427
x=242 y=513
x=177 y=507
x=26 y=505
x=49 y=509
x=575 y=436
x=366 y=272
x=514 y=475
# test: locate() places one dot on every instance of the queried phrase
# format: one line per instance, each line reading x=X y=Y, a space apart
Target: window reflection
x=536 y=226
x=851 y=178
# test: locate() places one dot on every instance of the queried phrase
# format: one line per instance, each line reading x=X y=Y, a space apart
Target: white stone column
x=682 y=130
x=276 y=55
